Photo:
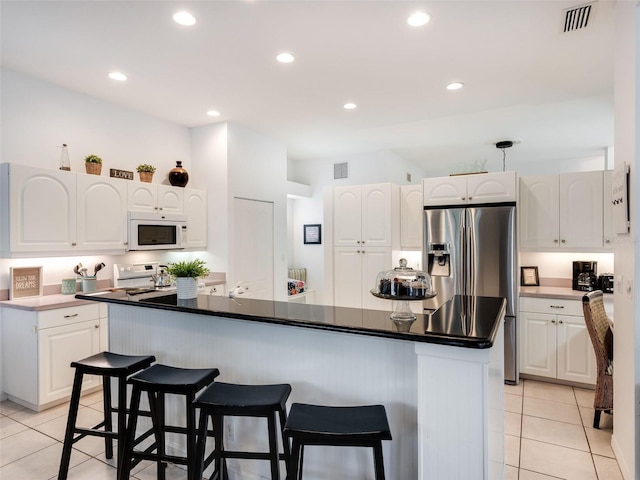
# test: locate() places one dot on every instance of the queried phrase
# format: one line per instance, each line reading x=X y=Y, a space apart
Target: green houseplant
x=93 y=164
x=186 y=274
x=146 y=172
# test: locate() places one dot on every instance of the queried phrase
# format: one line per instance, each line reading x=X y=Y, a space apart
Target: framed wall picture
x=313 y=234
x=529 y=277
x=25 y=282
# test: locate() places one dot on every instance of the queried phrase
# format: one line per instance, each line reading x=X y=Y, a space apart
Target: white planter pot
x=187 y=287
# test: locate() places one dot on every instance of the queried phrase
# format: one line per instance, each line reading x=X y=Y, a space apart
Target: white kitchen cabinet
x=38 y=348
x=561 y=211
x=195 y=207
x=411 y=216
x=470 y=189
x=38 y=207
x=151 y=197
x=355 y=272
x=363 y=215
x=102 y=213
x=554 y=341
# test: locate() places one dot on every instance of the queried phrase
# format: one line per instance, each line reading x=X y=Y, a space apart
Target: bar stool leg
x=294 y=462
x=157 y=400
x=108 y=425
x=71 y=423
x=122 y=416
x=378 y=460
x=125 y=462
x=191 y=439
x=201 y=443
x=285 y=441
x=273 y=447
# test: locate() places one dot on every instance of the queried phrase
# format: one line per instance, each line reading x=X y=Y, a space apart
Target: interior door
x=253 y=247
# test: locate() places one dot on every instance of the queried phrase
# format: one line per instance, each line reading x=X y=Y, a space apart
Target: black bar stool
x=158 y=381
x=226 y=399
x=107 y=365
x=363 y=426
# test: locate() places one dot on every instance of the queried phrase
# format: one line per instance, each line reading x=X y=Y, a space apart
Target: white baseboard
x=627 y=473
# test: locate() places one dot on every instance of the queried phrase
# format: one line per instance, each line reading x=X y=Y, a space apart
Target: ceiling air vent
x=578 y=17
x=340 y=170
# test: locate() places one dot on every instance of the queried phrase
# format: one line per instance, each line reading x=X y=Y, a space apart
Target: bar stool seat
x=107 y=365
x=159 y=380
x=227 y=399
x=359 y=426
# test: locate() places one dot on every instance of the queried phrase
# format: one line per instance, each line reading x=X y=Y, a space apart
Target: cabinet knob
x=462 y=198
x=470 y=198
x=363 y=242
x=607 y=241
x=555 y=240
x=357 y=251
x=556 y=306
x=560 y=322
x=155 y=208
x=97 y=326
x=73 y=244
x=553 y=321
x=563 y=241
x=71 y=316
x=358 y=242
x=160 y=208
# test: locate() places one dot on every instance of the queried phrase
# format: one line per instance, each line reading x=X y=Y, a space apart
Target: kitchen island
x=441 y=382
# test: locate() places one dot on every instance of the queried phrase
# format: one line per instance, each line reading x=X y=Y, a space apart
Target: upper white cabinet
x=562 y=211
x=411 y=216
x=363 y=215
x=150 y=197
x=102 y=213
x=470 y=189
x=39 y=208
x=195 y=207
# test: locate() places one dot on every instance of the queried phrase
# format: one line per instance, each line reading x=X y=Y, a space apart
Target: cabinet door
x=170 y=199
x=374 y=261
x=581 y=209
x=142 y=197
x=347 y=282
x=411 y=216
x=445 y=191
x=195 y=207
x=539 y=211
x=376 y=215
x=576 y=358
x=538 y=344
x=607 y=211
x=102 y=213
x=43 y=210
x=57 y=348
x=491 y=187
x=347 y=216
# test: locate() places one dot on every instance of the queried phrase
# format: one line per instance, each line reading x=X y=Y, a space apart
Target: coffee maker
x=585 y=276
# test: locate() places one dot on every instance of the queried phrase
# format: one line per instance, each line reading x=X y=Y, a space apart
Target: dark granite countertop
x=463 y=321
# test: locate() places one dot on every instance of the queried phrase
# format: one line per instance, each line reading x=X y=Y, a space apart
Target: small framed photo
x=25 y=282
x=313 y=234
x=529 y=277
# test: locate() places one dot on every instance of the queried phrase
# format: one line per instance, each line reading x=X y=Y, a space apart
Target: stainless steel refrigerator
x=472 y=251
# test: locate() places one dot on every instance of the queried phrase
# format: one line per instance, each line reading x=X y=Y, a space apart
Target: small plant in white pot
x=186 y=274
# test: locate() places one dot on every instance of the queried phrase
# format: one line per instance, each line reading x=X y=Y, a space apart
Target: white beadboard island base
x=444 y=403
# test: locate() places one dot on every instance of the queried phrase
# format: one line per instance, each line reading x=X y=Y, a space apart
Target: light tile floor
x=548 y=436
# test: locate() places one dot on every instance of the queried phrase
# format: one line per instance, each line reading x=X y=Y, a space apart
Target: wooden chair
x=597 y=323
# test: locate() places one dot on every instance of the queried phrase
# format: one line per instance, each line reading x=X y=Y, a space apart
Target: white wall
x=560 y=264
x=626 y=379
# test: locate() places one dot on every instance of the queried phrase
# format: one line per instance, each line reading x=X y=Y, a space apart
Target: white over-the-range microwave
x=156 y=231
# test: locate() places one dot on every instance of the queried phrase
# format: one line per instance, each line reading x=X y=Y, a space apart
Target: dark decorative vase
x=178 y=176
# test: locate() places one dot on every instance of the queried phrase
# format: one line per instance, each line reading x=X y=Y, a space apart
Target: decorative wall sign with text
x=115 y=173
x=25 y=282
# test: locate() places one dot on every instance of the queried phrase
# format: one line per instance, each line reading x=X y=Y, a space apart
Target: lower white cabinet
x=554 y=341
x=355 y=272
x=38 y=348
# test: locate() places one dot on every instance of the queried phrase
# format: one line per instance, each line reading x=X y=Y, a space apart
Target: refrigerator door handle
x=469 y=246
x=464 y=266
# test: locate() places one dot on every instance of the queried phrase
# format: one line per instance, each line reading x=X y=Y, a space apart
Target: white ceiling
x=524 y=79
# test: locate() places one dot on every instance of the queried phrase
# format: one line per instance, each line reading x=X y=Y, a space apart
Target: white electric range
x=136 y=278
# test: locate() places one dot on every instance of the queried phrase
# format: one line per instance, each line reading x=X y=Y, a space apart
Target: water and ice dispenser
x=439 y=259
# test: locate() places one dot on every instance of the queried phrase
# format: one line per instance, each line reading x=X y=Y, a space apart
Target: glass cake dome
x=403 y=284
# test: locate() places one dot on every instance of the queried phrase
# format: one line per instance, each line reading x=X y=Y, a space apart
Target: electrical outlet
x=229 y=431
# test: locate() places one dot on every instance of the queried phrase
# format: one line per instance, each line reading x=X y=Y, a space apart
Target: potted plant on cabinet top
x=93 y=164
x=146 y=172
x=187 y=274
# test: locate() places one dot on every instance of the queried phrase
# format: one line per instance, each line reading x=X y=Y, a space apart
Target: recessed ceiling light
x=350 y=106
x=184 y=18
x=418 y=19
x=121 y=77
x=455 y=86
x=285 y=57
x=213 y=113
